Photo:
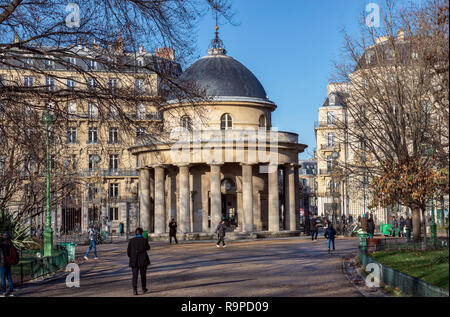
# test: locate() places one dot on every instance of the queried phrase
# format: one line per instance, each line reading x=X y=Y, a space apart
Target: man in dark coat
x=330 y=235
x=139 y=260
x=173 y=231
x=371 y=227
x=313 y=228
x=5 y=267
x=221 y=229
x=409 y=228
x=394 y=226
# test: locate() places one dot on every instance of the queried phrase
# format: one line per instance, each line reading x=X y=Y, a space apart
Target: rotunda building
x=222 y=160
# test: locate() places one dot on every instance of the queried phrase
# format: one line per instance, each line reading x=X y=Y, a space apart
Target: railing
x=32 y=265
x=330 y=147
x=109 y=172
x=321 y=124
x=325 y=171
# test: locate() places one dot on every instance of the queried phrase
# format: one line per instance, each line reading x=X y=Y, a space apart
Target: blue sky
x=290 y=46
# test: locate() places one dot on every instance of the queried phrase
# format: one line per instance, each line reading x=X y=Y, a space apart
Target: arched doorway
x=229 y=203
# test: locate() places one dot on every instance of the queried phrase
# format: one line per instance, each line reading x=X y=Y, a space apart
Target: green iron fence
x=32 y=265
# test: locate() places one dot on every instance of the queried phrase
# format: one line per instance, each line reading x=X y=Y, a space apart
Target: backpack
x=13 y=257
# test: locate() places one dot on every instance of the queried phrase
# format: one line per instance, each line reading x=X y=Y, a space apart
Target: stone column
x=274 y=204
x=216 y=196
x=144 y=198
x=290 y=202
x=160 y=198
x=247 y=197
x=185 y=199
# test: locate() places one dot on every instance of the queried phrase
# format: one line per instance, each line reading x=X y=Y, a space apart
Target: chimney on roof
x=401 y=34
x=118 y=45
x=165 y=52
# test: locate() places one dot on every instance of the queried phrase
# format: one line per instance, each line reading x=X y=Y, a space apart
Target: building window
x=330 y=139
x=50 y=84
x=27 y=62
x=72 y=62
x=140 y=89
x=92 y=192
x=70 y=84
x=91 y=84
x=92 y=135
x=262 y=121
x=332 y=100
x=49 y=64
x=28 y=81
x=113 y=190
x=330 y=117
x=186 y=123
x=329 y=164
x=113 y=162
x=113 y=135
x=92 y=65
x=140 y=111
x=113 y=84
x=113 y=213
x=113 y=113
x=71 y=108
x=226 y=122
x=92 y=111
x=140 y=132
x=71 y=135
x=91 y=162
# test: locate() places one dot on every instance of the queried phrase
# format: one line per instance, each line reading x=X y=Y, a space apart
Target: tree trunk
x=416 y=224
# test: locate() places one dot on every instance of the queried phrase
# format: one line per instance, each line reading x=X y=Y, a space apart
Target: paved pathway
x=281 y=267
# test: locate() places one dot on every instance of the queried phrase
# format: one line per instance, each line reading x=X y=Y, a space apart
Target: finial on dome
x=216 y=47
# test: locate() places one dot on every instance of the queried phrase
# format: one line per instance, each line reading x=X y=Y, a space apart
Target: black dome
x=222 y=76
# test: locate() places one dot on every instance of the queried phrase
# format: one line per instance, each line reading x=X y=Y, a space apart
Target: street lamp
x=48 y=232
x=96 y=160
x=334 y=157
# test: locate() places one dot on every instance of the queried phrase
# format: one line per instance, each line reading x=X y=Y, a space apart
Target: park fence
x=401 y=244
x=407 y=284
x=33 y=265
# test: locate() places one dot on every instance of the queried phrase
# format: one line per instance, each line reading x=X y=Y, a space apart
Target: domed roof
x=219 y=75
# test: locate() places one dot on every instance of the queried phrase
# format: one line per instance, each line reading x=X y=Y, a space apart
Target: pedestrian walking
x=121 y=229
x=330 y=235
x=92 y=243
x=139 y=260
x=370 y=227
x=173 y=231
x=8 y=257
x=394 y=226
x=314 y=228
x=221 y=229
x=402 y=226
x=409 y=228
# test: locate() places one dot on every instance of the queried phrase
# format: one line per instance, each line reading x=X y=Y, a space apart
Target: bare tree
x=397 y=103
x=92 y=54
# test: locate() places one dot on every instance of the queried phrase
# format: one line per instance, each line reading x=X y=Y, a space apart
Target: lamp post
x=48 y=232
x=334 y=157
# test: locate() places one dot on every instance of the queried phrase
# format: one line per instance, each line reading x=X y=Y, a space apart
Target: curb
x=355 y=277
